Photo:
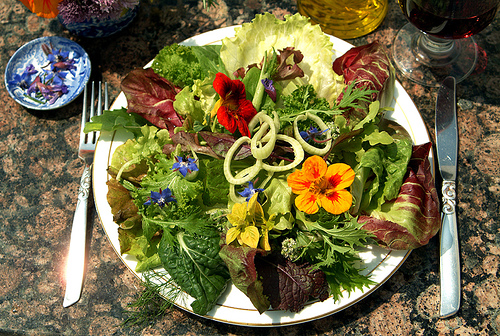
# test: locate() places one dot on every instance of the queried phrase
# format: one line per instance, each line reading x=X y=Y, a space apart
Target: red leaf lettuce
x=152 y=97
x=416 y=208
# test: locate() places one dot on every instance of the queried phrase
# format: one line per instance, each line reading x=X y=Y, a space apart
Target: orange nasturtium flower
x=320 y=185
x=234 y=110
x=43 y=8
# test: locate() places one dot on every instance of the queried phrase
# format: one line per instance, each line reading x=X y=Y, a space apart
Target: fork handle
x=76 y=256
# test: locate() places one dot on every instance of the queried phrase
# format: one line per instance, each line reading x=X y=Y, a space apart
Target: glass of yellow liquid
x=345 y=19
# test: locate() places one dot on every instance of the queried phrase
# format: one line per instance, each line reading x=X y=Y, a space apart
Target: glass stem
x=434 y=51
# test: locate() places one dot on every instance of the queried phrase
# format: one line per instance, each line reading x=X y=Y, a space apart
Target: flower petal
x=340 y=175
x=226 y=119
x=250 y=236
x=43 y=8
x=337 y=202
x=315 y=166
x=231 y=235
x=222 y=84
x=299 y=182
x=307 y=202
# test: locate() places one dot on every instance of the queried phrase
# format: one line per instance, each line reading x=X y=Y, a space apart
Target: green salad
x=265 y=162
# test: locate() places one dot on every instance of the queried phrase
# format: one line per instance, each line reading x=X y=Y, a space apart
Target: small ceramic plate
x=32 y=53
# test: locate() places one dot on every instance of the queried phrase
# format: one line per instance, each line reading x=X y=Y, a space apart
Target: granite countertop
x=40 y=174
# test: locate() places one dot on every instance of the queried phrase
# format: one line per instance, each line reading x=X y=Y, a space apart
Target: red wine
x=450 y=19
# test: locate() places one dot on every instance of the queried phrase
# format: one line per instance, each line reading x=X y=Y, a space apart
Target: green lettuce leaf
x=194 y=264
x=114 y=120
x=266 y=32
x=279 y=202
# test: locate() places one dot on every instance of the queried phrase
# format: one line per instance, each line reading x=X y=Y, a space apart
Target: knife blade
x=447 y=153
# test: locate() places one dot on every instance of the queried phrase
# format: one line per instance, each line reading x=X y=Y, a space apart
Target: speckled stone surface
x=40 y=172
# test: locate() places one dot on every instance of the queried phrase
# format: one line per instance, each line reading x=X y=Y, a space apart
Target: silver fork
x=76 y=256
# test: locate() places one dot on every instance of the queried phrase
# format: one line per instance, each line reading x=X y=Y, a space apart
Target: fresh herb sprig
x=305 y=100
x=150 y=304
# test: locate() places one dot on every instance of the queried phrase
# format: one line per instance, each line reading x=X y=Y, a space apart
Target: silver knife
x=447 y=152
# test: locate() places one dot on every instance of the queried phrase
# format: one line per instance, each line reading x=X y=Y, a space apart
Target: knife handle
x=449 y=254
x=76 y=255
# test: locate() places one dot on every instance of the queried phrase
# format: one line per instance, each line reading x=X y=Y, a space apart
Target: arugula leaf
x=329 y=242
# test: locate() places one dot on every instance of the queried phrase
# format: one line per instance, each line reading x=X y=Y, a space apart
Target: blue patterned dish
x=32 y=53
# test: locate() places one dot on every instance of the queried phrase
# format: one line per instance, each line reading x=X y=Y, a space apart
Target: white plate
x=233 y=306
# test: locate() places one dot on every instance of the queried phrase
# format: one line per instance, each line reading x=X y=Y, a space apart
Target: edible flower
x=43 y=8
x=247 y=218
x=22 y=80
x=311 y=134
x=185 y=166
x=269 y=88
x=320 y=185
x=234 y=110
x=161 y=198
x=249 y=191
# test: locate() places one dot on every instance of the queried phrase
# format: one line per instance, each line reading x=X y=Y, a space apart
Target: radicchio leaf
x=152 y=97
x=370 y=67
x=413 y=218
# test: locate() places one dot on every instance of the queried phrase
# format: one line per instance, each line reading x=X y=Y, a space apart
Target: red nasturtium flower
x=234 y=110
x=43 y=8
x=320 y=185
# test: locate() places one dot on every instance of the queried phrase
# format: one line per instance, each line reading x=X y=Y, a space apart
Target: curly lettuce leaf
x=266 y=32
x=122 y=205
x=129 y=157
x=195 y=101
x=380 y=174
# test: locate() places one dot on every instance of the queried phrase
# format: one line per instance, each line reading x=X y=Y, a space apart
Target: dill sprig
x=157 y=298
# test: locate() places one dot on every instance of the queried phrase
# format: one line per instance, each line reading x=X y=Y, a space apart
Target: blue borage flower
x=161 y=198
x=311 y=134
x=48 y=84
x=185 y=165
x=249 y=191
x=23 y=80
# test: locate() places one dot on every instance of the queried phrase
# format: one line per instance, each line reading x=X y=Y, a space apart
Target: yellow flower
x=320 y=185
x=246 y=219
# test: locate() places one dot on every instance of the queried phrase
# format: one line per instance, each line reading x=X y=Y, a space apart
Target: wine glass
x=438 y=40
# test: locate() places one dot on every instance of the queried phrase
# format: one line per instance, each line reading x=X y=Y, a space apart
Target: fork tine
x=106 y=96
x=99 y=99
x=84 y=114
x=92 y=101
